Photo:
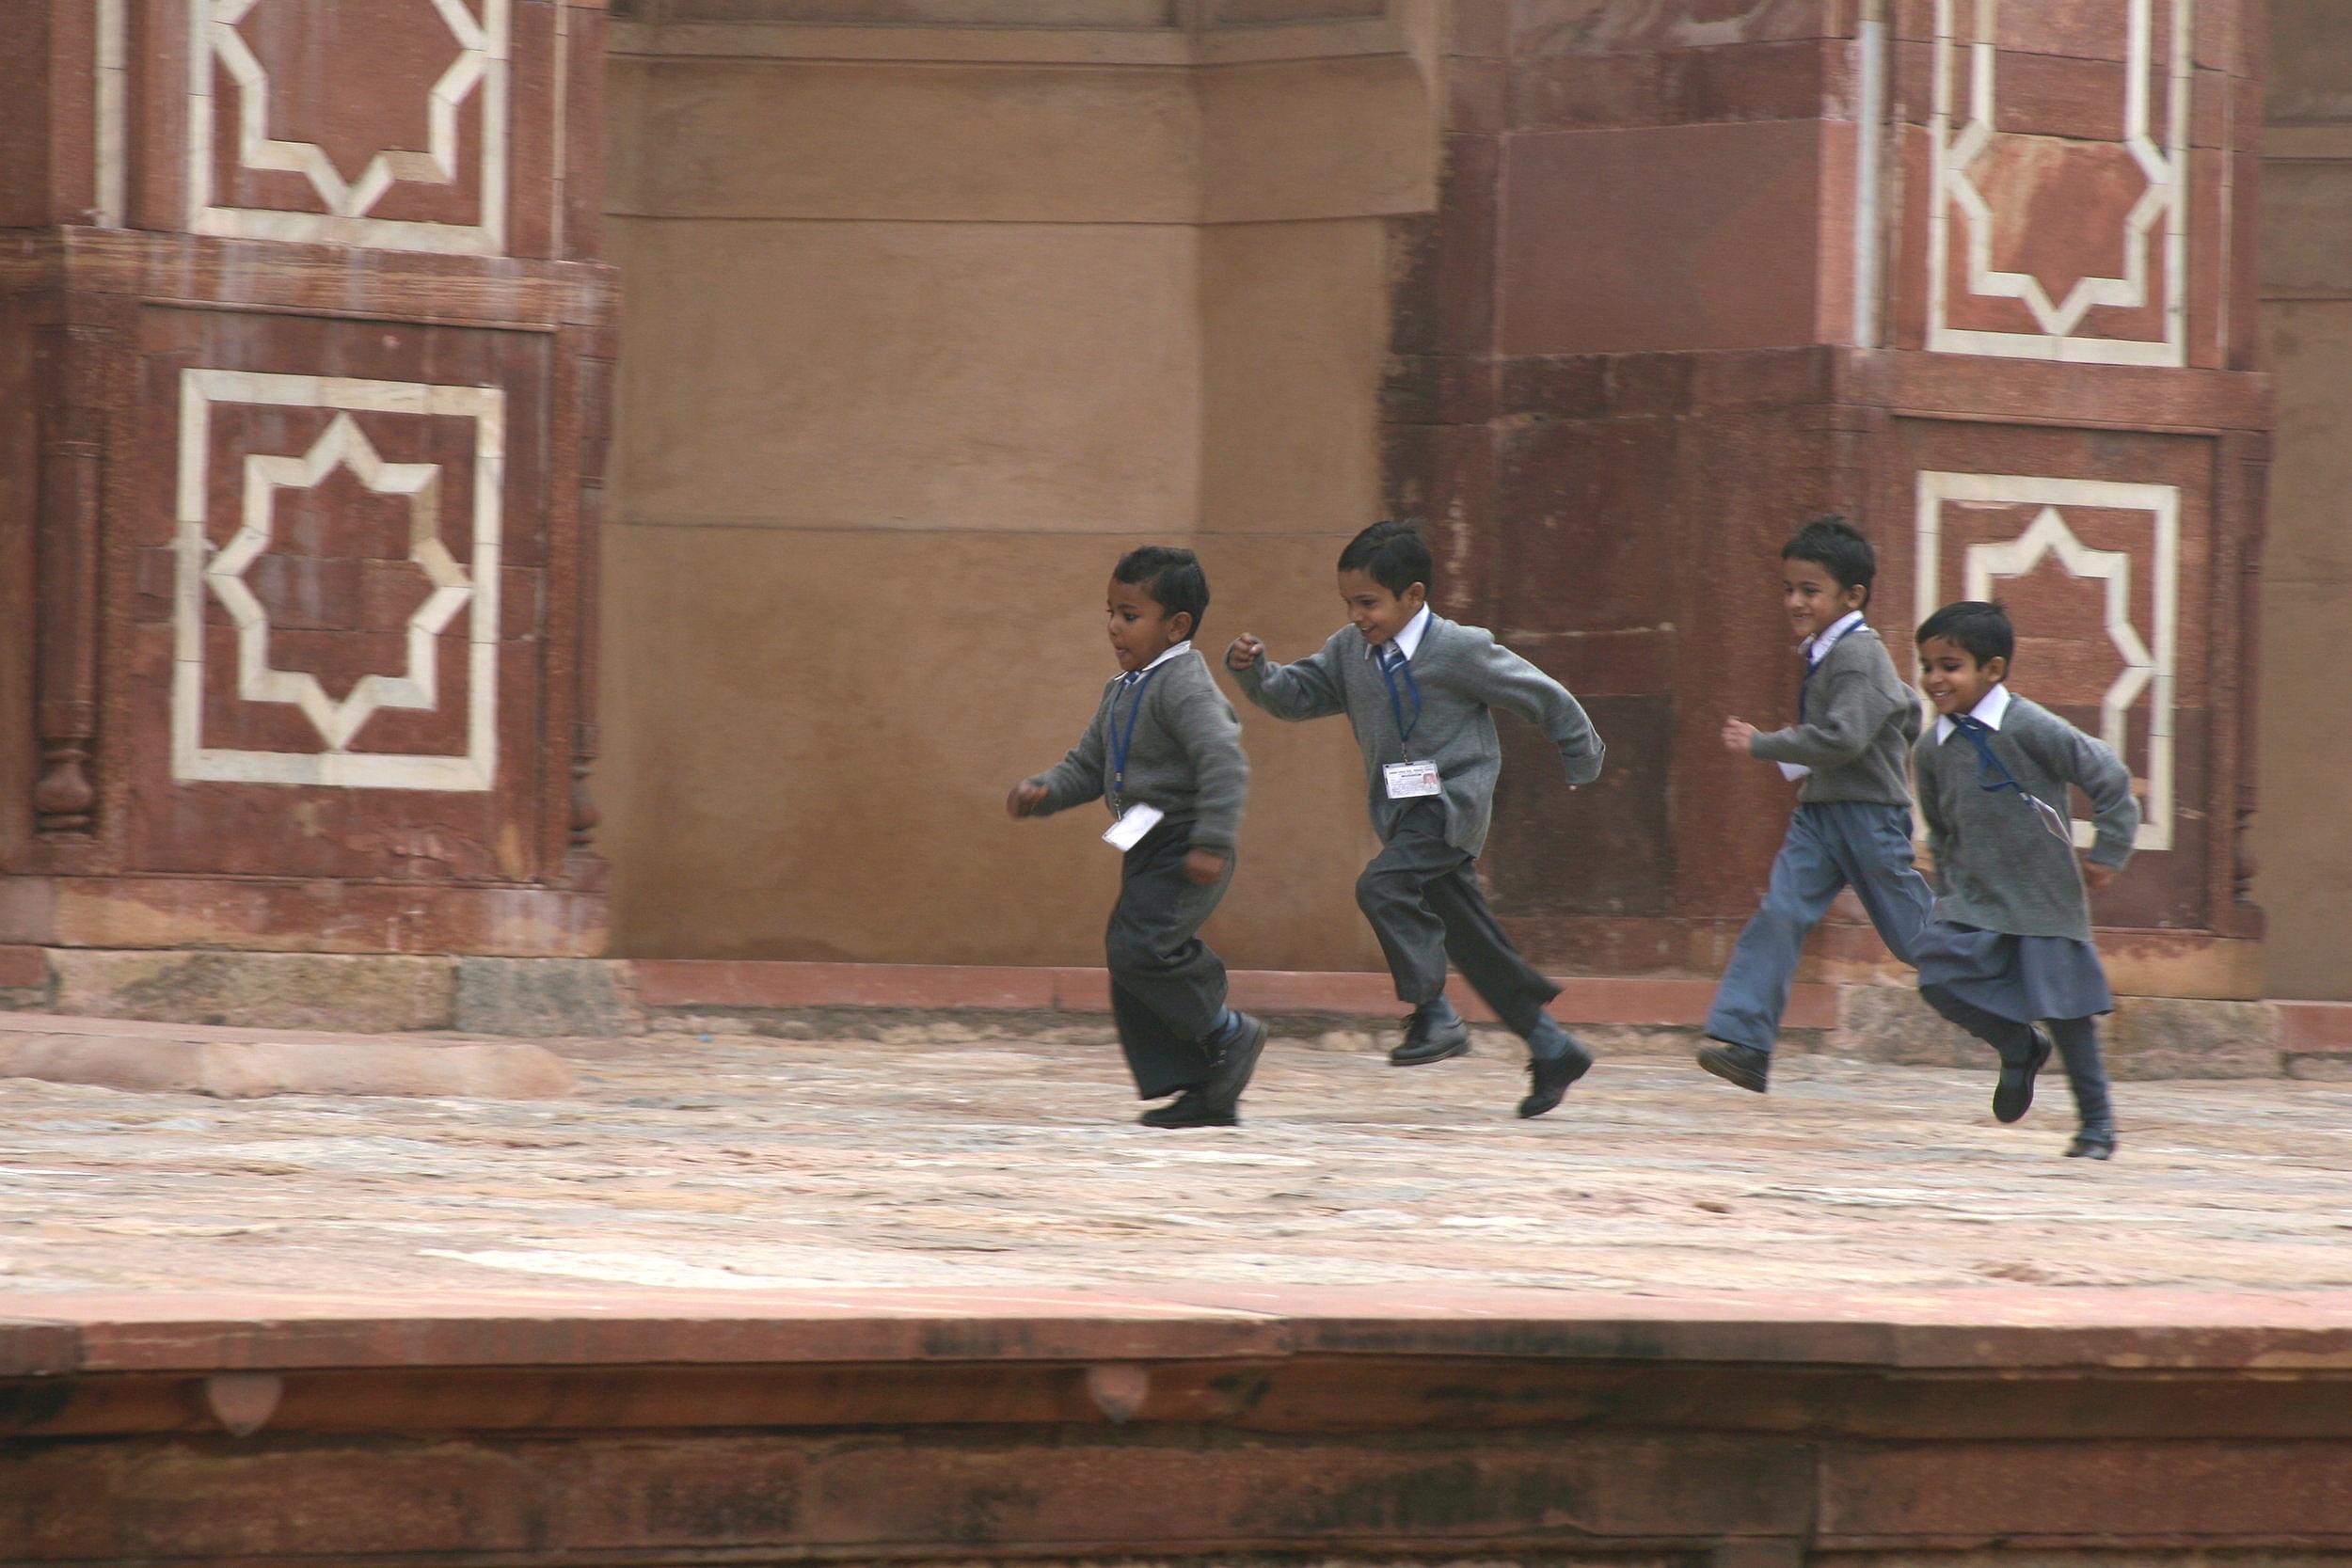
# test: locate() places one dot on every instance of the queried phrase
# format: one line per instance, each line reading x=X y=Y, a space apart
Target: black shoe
x=1230 y=1075
x=2093 y=1142
x=2013 y=1097
x=1548 y=1077
x=1743 y=1065
x=1188 y=1109
x=1427 y=1040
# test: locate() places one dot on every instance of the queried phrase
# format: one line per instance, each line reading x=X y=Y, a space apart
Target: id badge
x=1129 y=829
x=1412 y=780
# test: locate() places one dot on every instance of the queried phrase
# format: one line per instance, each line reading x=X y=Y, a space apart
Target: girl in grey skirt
x=2008 y=944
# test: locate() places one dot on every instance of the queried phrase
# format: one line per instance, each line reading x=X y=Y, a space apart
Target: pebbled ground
x=948 y=1155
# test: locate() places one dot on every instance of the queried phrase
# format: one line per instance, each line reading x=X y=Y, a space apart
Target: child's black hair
x=1981 y=628
x=1393 y=554
x=1833 y=543
x=1173 y=577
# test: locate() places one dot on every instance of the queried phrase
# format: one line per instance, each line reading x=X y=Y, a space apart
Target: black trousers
x=1422 y=898
x=1167 y=988
x=2077 y=1040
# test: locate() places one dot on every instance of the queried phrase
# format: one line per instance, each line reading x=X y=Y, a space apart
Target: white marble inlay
x=484 y=53
x=218 y=574
x=2149 y=661
x=2146 y=252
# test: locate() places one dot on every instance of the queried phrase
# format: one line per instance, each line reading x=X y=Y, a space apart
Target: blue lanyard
x=1122 y=745
x=1396 y=703
x=1989 y=761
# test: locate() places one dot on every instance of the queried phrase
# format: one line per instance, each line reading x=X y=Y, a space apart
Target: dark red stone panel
x=338 y=573
x=1684 y=237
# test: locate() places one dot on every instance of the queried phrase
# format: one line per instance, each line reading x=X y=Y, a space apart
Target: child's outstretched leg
x=2022 y=1047
x=1393 y=893
x=1168 y=989
x=1518 y=993
x=2079 y=1044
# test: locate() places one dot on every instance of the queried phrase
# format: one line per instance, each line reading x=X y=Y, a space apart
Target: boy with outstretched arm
x=1855 y=724
x=1164 y=752
x=1418 y=690
x=2010 y=945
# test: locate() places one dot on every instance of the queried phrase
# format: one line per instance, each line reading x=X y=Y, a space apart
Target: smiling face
x=1141 y=630
x=1953 y=679
x=1376 y=613
x=1814 y=598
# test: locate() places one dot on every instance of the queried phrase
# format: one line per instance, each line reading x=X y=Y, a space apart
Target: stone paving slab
x=945 y=1157
x=237 y=1063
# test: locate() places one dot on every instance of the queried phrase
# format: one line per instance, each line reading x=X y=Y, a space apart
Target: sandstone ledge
x=240 y=1064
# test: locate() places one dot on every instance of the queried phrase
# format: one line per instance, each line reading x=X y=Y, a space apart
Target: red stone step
x=760 y=983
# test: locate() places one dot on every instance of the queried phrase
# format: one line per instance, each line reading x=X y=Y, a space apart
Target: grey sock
x=1439 y=1012
x=1547 y=1041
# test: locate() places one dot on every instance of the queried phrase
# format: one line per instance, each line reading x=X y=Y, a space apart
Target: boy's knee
x=1378 y=886
x=1127 y=951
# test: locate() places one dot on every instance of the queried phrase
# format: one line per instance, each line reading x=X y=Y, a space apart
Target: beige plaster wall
x=923 y=330
x=2302 y=835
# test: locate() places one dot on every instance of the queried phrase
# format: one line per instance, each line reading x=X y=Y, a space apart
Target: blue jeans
x=1832 y=845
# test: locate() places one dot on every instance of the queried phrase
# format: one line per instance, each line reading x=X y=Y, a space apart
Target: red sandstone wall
x=310 y=355
x=1977 y=277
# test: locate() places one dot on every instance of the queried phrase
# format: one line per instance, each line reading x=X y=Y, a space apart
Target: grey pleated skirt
x=2024 y=979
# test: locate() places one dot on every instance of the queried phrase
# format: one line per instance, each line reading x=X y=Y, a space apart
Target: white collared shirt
x=1817 y=646
x=1990 y=712
x=1184 y=647
x=1408 y=640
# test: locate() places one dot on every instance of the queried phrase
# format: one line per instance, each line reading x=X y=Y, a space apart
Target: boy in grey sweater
x=1419 y=692
x=1855 y=722
x=2010 y=943
x=1164 y=752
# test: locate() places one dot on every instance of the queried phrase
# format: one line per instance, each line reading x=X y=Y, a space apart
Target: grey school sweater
x=1997 y=867
x=1187 y=759
x=1860 y=722
x=1462 y=675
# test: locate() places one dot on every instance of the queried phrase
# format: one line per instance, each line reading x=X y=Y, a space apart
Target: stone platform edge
x=57 y=1333
x=2150 y=1036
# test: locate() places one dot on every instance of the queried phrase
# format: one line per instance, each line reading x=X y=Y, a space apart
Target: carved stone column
x=302 y=354
x=1977 y=275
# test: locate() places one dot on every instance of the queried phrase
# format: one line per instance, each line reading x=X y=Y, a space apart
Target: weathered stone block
x=196 y=1061
x=546 y=996
x=1889 y=1023
x=370 y=993
x=2157 y=1036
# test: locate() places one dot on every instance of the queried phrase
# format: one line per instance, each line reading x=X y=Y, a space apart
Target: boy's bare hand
x=2098 y=876
x=1738 y=733
x=1025 y=797
x=1203 y=866
x=1245 y=651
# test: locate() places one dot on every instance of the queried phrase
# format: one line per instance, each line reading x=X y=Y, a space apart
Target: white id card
x=1411 y=781
x=1793 y=772
x=1129 y=829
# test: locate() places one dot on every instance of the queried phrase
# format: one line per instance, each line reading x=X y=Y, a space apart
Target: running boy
x=1855 y=723
x=1165 y=751
x=2010 y=943
x=1418 y=689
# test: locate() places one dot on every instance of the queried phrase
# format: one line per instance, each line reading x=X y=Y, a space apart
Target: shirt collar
x=1408 y=640
x=1990 y=710
x=1817 y=646
x=1184 y=647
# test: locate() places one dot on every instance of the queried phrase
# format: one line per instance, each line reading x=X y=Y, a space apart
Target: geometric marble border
x=2149 y=661
x=2166 y=198
x=484 y=50
x=206 y=572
